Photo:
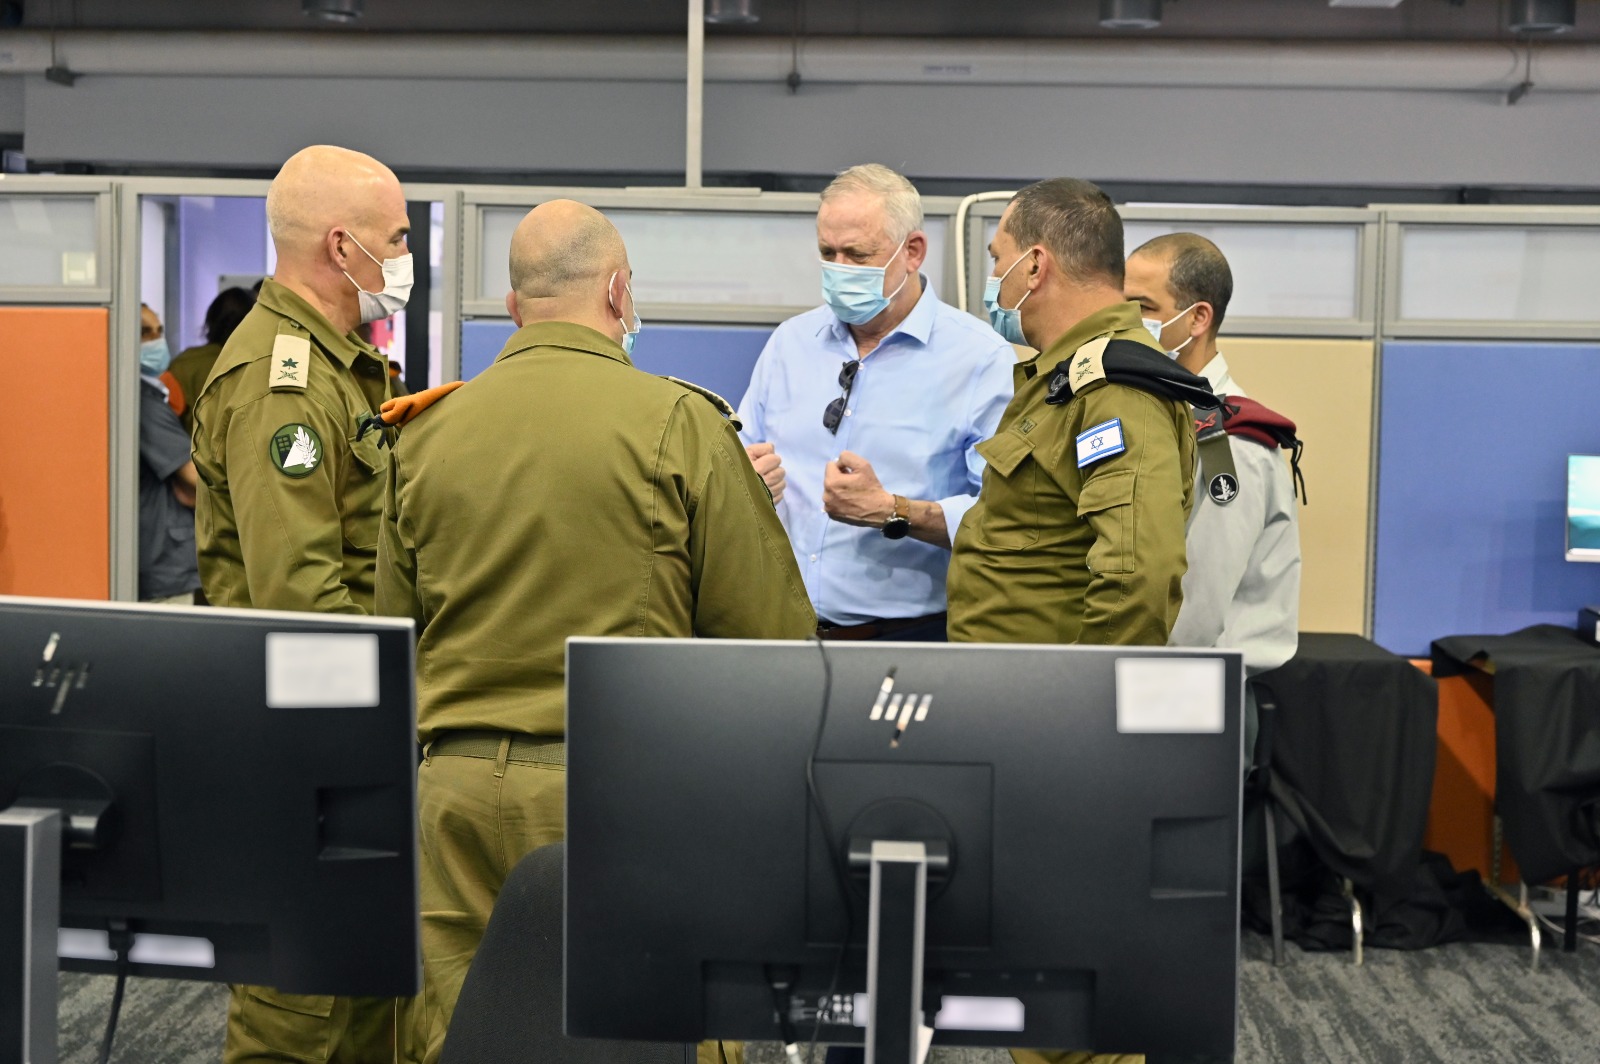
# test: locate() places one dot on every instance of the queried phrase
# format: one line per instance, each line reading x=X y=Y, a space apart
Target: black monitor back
x=1094 y=873
x=279 y=829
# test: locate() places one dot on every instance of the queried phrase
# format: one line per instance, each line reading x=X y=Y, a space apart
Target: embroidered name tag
x=1100 y=442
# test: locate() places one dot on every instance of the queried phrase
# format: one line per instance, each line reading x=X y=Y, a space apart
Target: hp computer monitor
x=1085 y=801
x=237 y=788
x=1583 y=507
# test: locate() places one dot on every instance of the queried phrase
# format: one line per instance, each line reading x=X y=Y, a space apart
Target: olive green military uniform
x=287 y=518
x=188 y=374
x=1065 y=546
x=561 y=493
x=290 y=500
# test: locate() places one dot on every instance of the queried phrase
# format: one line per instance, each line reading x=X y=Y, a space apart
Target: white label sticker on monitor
x=180 y=951
x=313 y=670
x=1170 y=695
x=957 y=1013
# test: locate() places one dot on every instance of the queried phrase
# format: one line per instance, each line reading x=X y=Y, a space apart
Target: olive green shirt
x=563 y=492
x=290 y=501
x=189 y=371
x=1055 y=552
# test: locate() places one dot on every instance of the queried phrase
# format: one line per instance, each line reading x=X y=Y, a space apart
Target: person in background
x=632 y=511
x=1242 y=589
x=872 y=465
x=291 y=492
x=187 y=374
x=168 y=571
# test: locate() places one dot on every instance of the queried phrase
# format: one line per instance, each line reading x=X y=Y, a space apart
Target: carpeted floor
x=1462 y=1004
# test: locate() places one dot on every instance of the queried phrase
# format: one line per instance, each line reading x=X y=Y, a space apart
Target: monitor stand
x=30 y=912
x=896 y=932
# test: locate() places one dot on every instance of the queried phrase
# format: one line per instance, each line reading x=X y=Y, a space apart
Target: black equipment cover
x=1353 y=756
x=1547 y=742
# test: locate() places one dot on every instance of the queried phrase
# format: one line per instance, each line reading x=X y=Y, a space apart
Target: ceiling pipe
x=1429 y=67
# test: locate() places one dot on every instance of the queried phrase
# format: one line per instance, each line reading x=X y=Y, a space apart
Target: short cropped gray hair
x=902 y=203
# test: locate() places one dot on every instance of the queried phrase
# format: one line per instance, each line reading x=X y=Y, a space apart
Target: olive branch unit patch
x=296 y=450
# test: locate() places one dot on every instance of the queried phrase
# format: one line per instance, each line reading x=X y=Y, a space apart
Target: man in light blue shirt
x=864 y=413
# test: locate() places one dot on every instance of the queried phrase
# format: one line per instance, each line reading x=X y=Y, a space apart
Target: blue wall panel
x=1472 y=485
x=718 y=357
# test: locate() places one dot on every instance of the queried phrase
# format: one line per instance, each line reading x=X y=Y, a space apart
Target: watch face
x=896 y=528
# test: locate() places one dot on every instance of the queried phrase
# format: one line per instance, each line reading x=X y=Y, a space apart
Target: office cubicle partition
x=1488 y=318
x=57 y=249
x=1491 y=369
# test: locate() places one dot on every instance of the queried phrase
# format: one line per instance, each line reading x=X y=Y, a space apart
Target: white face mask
x=1155 y=329
x=397 y=281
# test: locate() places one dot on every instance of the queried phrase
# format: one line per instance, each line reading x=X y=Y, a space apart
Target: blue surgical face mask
x=1006 y=322
x=628 y=335
x=154 y=357
x=1155 y=328
x=855 y=293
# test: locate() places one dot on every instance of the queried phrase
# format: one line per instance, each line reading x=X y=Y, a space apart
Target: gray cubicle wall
x=1499 y=299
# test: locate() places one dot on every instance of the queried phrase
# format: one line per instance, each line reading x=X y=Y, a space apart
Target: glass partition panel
x=1279 y=270
x=1499 y=273
x=49 y=242
x=704 y=258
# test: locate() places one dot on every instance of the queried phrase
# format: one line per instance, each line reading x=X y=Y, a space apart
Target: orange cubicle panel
x=1461 y=818
x=55 y=453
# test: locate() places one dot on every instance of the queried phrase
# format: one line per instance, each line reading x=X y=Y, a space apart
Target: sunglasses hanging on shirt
x=835 y=411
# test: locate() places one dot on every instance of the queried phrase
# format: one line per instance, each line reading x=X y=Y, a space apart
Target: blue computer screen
x=1583 y=507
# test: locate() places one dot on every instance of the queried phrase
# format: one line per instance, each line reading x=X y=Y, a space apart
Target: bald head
x=322 y=188
x=564 y=248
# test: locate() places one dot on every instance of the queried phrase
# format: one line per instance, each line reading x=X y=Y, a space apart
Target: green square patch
x=296 y=450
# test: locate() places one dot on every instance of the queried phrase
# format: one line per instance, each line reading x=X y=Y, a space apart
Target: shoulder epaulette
x=1129 y=363
x=724 y=407
x=291 y=358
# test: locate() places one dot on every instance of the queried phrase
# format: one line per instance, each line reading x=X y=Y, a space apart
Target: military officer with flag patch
x=291 y=488
x=1078 y=533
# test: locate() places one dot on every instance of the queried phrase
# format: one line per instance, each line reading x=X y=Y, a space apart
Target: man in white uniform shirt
x=1242 y=589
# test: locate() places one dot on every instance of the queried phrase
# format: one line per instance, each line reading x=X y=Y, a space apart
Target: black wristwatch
x=899 y=525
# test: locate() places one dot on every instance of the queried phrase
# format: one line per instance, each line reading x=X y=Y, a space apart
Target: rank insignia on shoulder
x=1101 y=442
x=724 y=407
x=1086 y=366
x=296 y=450
x=290 y=367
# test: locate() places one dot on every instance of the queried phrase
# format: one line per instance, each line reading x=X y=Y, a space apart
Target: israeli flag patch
x=1102 y=441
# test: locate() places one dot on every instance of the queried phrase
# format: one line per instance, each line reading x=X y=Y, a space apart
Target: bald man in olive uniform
x=290 y=500
x=561 y=493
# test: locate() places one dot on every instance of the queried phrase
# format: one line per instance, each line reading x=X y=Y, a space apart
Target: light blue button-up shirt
x=923 y=400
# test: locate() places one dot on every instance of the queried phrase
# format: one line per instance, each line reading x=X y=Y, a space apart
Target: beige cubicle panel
x=1325 y=386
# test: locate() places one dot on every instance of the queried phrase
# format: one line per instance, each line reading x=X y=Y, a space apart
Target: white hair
x=902 y=203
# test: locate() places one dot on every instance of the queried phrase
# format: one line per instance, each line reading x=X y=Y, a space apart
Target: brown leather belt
x=874 y=629
x=525 y=749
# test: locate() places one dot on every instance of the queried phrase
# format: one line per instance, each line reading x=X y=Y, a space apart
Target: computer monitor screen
x=238 y=788
x=1583 y=507
x=1089 y=799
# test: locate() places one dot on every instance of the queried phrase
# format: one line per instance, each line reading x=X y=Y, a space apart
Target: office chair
x=510 y=1009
